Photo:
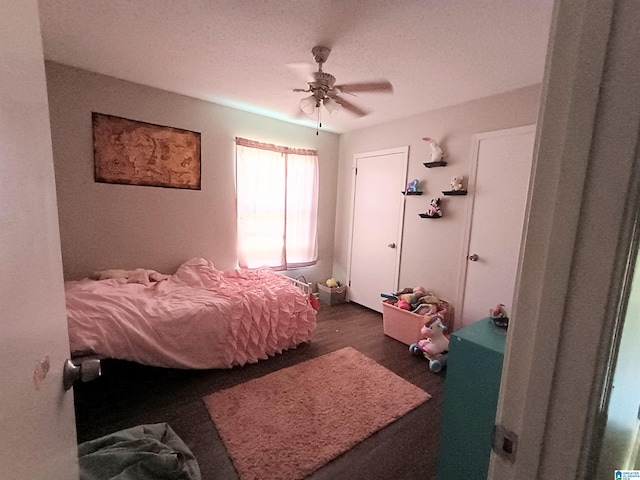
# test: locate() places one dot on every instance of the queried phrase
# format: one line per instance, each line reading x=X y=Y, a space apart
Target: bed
x=197 y=318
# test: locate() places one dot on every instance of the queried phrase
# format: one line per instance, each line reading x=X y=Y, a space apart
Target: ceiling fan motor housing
x=322 y=84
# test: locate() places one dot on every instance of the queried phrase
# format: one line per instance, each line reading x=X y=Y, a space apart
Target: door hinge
x=505 y=443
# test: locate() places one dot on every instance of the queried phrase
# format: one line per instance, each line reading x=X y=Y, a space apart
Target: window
x=277 y=205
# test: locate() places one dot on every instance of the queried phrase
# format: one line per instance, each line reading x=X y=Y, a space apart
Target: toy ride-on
x=434 y=344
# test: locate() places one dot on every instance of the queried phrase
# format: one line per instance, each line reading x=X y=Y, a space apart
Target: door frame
x=579 y=235
x=377 y=153
x=473 y=173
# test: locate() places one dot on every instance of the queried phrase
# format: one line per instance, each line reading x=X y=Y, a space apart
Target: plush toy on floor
x=434 y=343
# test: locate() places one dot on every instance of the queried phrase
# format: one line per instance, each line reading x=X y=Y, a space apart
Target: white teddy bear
x=456 y=183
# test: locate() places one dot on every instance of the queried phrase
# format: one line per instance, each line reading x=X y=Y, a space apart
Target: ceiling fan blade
x=350 y=106
x=379 y=86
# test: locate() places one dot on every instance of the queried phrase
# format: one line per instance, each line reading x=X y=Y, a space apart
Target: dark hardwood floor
x=129 y=394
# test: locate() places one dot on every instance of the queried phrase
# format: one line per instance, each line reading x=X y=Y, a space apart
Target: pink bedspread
x=197 y=318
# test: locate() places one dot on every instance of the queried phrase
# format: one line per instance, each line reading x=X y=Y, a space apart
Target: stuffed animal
x=412 y=186
x=332 y=283
x=404 y=305
x=456 y=183
x=434 y=341
x=499 y=315
x=427 y=305
x=425 y=309
x=411 y=296
x=434 y=210
x=436 y=151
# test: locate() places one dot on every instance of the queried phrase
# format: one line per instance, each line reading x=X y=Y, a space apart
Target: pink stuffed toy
x=411 y=297
x=404 y=305
x=434 y=210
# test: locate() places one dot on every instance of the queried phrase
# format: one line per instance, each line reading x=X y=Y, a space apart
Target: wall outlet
x=505 y=443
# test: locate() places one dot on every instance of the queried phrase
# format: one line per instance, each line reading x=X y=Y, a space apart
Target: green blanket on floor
x=145 y=452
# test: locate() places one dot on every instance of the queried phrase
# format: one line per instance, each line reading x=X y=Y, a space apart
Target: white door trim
x=471 y=183
x=585 y=189
x=389 y=151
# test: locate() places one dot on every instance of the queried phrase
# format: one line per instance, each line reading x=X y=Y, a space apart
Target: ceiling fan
x=324 y=91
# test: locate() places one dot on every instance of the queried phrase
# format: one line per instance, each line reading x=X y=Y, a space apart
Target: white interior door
x=378 y=213
x=38 y=439
x=502 y=164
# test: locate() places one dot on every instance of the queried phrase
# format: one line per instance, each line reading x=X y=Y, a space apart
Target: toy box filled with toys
x=403 y=313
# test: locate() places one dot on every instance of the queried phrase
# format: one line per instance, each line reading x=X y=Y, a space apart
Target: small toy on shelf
x=499 y=315
x=456 y=183
x=434 y=210
x=412 y=186
x=436 y=151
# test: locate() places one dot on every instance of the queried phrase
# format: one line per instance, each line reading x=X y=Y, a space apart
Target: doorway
x=620 y=415
x=377 y=220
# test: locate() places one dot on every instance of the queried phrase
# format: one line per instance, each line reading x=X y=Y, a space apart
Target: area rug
x=287 y=424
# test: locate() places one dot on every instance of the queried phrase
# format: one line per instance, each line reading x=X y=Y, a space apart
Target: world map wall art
x=139 y=153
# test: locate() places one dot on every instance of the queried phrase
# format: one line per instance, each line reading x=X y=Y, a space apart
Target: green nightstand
x=474 y=368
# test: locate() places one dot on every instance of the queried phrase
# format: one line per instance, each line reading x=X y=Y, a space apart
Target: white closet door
x=377 y=225
x=500 y=190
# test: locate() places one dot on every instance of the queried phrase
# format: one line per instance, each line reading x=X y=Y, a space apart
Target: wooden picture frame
x=131 y=152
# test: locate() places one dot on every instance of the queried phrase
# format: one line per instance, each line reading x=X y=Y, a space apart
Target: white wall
x=432 y=252
x=122 y=226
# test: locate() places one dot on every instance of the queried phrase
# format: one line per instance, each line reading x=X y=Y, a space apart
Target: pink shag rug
x=287 y=424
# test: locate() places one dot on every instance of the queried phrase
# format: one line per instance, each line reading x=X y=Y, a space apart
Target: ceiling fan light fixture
x=332 y=106
x=308 y=104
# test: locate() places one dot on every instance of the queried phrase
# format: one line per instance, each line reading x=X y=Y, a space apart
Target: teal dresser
x=472 y=385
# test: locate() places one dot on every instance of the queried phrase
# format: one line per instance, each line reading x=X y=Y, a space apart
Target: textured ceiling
x=242 y=53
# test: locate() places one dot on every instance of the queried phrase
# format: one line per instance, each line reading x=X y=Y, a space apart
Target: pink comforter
x=198 y=317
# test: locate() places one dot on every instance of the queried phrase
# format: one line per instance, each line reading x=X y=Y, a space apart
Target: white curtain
x=277 y=205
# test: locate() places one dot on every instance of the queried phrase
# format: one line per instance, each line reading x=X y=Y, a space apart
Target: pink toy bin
x=405 y=326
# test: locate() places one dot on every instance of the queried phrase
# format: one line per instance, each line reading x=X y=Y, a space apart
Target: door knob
x=473 y=257
x=392 y=245
x=88 y=370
